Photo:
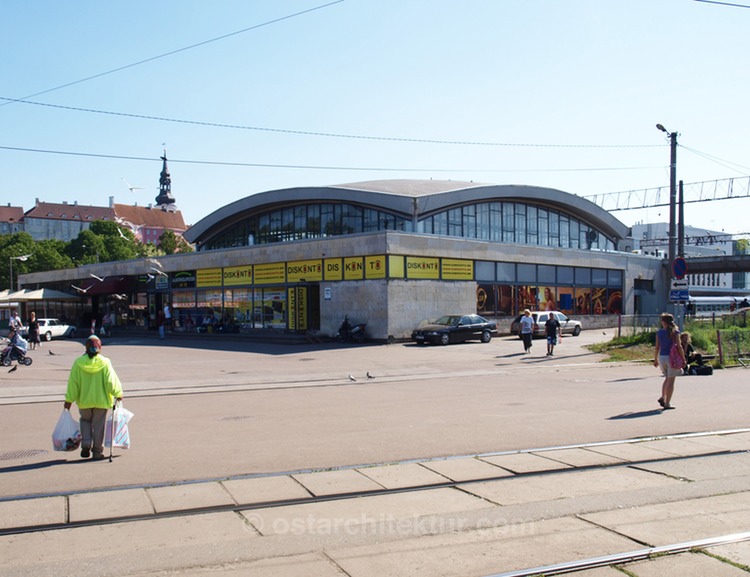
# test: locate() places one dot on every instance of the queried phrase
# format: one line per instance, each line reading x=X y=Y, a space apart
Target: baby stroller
x=13 y=352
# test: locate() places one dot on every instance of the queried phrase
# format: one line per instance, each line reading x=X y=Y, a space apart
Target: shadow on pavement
x=637 y=415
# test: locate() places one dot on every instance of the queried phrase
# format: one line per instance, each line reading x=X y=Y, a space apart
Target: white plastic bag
x=121 y=418
x=67 y=434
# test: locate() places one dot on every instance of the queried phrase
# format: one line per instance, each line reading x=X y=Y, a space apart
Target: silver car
x=567 y=325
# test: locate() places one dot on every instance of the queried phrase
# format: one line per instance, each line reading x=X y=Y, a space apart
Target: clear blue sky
x=591 y=73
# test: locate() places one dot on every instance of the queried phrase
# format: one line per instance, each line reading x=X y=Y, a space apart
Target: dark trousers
x=92 y=425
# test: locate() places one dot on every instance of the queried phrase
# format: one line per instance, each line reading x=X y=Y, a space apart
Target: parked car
x=567 y=325
x=52 y=328
x=455 y=329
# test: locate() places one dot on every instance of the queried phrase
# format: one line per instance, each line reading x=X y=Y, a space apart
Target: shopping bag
x=67 y=434
x=559 y=338
x=121 y=417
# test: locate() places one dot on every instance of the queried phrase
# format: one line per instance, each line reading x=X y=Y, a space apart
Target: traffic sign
x=679 y=267
x=679 y=284
x=679 y=296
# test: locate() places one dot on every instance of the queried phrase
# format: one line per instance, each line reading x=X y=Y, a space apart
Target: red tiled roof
x=55 y=211
x=11 y=214
x=151 y=217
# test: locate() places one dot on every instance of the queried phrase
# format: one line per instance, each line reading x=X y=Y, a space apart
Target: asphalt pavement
x=326 y=459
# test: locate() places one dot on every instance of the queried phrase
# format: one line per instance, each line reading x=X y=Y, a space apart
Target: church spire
x=165 y=200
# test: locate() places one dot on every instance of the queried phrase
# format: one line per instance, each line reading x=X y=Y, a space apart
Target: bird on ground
x=50 y=352
x=369 y=376
x=81 y=290
x=351 y=378
x=13 y=369
x=99 y=278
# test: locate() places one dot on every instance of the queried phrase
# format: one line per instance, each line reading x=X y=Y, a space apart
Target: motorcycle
x=351 y=334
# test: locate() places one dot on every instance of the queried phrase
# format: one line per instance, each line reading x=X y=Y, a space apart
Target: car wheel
x=576 y=331
x=48 y=336
x=486 y=336
x=445 y=339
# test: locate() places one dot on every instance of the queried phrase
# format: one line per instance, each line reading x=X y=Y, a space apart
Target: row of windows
x=547 y=274
x=307 y=221
x=517 y=223
x=509 y=222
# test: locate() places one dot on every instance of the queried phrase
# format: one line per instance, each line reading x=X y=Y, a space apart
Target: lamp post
x=672 y=188
x=23 y=257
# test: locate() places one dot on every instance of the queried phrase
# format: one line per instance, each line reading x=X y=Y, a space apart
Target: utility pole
x=672 y=189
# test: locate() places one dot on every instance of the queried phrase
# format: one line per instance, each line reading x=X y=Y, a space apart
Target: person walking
x=527 y=330
x=666 y=337
x=15 y=322
x=552 y=328
x=93 y=385
x=34 y=331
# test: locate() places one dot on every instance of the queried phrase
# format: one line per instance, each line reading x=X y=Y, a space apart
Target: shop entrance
x=304 y=307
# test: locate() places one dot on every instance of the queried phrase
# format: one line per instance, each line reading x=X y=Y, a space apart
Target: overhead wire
x=721 y=162
x=173 y=52
x=323 y=134
x=312 y=167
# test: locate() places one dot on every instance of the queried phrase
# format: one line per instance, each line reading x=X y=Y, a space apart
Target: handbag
x=66 y=435
x=117 y=421
x=675 y=358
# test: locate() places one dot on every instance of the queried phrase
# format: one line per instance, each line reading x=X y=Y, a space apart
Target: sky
x=248 y=96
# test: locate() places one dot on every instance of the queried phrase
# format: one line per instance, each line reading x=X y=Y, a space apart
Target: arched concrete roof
x=403 y=197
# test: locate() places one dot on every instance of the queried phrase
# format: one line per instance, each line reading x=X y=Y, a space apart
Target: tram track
x=351 y=495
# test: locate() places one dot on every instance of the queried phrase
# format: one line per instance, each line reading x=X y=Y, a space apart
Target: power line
x=173 y=52
x=322 y=134
x=724 y=3
x=314 y=167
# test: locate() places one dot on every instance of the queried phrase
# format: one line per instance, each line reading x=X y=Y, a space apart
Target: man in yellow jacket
x=93 y=385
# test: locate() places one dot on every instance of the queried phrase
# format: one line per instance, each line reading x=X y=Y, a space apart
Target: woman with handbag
x=669 y=357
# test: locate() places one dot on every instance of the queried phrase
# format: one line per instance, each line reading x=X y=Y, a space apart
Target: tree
x=11 y=246
x=171 y=243
x=86 y=248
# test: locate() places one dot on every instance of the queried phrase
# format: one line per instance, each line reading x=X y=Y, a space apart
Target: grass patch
x=637 y=347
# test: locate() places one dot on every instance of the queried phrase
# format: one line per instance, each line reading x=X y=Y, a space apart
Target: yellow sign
x=273 y=273
x=208 y=277
x=457 y=269
x=238 y=275
x=375 y=266
x=297 y=299
x=333 y=269
x=353 y=268
x=422 y=267
x=304 y=270
x=395 y=266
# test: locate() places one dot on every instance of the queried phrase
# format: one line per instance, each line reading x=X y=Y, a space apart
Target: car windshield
x=448 y=320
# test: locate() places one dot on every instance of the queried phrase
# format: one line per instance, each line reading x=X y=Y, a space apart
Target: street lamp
x=23 y=257
x=672 y=188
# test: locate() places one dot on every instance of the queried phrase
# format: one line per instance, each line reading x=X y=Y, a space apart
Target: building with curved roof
x=392 y=253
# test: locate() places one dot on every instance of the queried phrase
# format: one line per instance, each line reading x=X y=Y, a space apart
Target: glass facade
x=516 y=223
x=507 y=222
x=573 y=290
x=304 y=221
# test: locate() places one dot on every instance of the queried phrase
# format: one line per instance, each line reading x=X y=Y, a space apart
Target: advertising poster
x=506 y=300
x=485 y=299
x=583 y=301
x=547 y=302
x=375 y=266
x=565 y=300
x=599 y=300
x=614 y=302
x=527 y=298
